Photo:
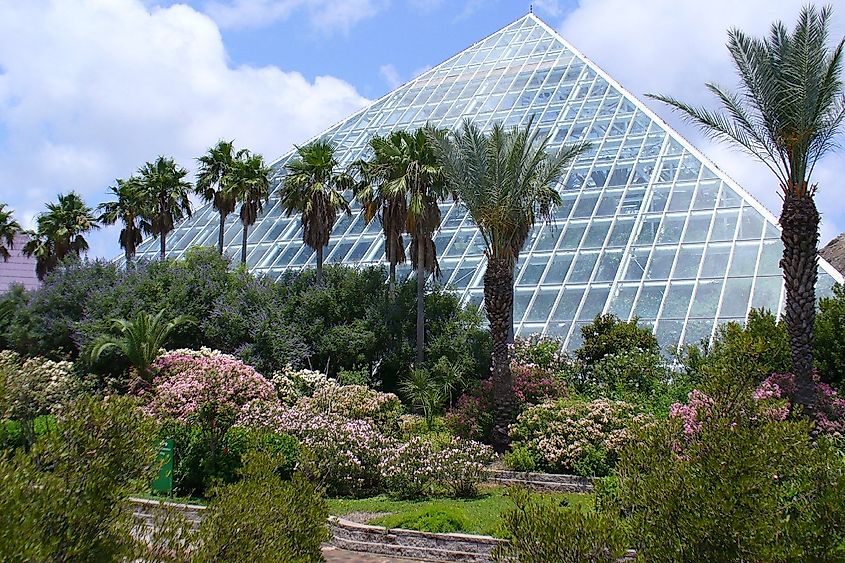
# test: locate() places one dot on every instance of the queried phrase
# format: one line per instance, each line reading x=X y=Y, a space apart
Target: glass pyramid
x=648 y=227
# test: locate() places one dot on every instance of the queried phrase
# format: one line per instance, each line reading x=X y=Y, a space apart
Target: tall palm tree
x=60 y=232
x=314 y=187
x=130 y=207
x=786 y=113
x=248 y=182
x=9 y=228
x=164 y=184
x=505 y=180
x=214 y=167
x=406 y=181
x=139 y=339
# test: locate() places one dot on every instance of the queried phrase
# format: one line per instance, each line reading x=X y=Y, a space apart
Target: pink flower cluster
x=188 y=381
x=693 y=413
x=829 y=410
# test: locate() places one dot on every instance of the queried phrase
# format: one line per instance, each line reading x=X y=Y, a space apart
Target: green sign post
x=164 y=482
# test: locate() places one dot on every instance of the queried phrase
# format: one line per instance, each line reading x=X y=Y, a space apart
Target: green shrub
x=263 y=518
x=608 y=335
x=541 y=531
x=65 y=499
x=520 y=458
x=629 y=374
x=829 y=351
x=434 y=520
x=731 y=481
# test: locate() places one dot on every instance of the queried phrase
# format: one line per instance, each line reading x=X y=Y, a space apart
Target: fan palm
x=214 y=168
x=314 y=187
x=9 y=228
x=505 y=180
x=130 y=208
x=787 y=113
x=164 y=183
x=405 y=180
x=60 y=232
x=139 y=339
x=248 y=182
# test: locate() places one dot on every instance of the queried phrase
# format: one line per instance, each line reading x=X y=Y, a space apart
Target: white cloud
x=390 y=75
x=90 y=89
x=324 y=15
x=671 y=47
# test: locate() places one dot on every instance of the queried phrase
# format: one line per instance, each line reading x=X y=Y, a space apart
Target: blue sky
x=90 y=89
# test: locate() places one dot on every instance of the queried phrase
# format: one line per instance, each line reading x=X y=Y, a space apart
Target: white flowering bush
x=293 y=384
x=35 y=387
x=462 y=466
x=575 y=436
x=357 y=402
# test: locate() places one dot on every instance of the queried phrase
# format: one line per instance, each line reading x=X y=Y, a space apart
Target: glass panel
x=735 y=300
x=568 y=304
x=637 y=263
x=621 y=232
x=608 y=266
x=596 y=234
x=609 y=203
x=697 y=227
x=671 y=229
x=594 y=303
x=677 y=301
x=681 y=197
x=659 y=197
x=533 y=270
x=697 y=330
x=767 y=293
x=622 y=301
x=744 y=260
x=558 y=268
x=724 y=225
x=585 y=205
x=521 y=299
x=716 y=260
x=632 y=202
x=661 y=263
x=648 y=230
x=649 y=302
x=770 y=258
x=572 y=236
x=729 y=197
x=542 y=306
x=751 y=225
x=706 y=299
x=583 y=267
x=669 y=334
x=689 y=258
x=547 y=238
x=707 y=194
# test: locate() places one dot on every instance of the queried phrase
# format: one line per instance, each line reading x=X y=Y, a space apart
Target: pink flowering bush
x=204 y=383
x=293 y=384
x=407 y=469
x=575 y=436
x=829 y=410
x=462 y=466
x=357 y=402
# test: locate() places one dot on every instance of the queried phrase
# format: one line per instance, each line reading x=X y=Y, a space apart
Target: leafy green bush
x=730 y=479
x=608 y=335
x=520 y=458
x=434 y=520
x=540 y=531
x=631 y=374
x=829 y=351
x=65 y=499
x=263 y=518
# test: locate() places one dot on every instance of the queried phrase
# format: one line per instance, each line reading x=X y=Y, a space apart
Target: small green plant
x=263 y=518
x=520 y=458
x=434 y=520
x=424 y=392
x=541 y=531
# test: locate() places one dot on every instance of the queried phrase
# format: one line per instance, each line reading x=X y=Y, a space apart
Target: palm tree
x=248 y=182
x=406 y=181
x=140 y=340
x=60 y=233
x=505 y=180
x=130 y=208
x=9 y=228
x=314 y=187
x=214 y=167
x=786 y=113
x=164 y=183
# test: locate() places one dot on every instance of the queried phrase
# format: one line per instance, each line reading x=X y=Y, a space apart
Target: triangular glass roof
x=648 y=226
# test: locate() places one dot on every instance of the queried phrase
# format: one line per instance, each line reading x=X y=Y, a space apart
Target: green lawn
x=476 y=516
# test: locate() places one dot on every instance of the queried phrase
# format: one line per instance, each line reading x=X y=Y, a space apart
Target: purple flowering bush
x=576 y=436
x=829 y=410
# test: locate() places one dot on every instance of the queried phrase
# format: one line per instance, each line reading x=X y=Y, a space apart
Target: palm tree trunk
x=498 y=301
x=799 y=220
x=320 y=266
x=420 y=301
x=162 y=241
x=128 y=256
x=243 y=244
x=391 y=284
x=220 y=233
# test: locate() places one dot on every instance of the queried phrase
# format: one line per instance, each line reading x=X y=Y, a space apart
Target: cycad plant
x=313 y=187
x=215 y=167
x=403 y=185
x=139 y=339
x=505 y=179
x=786 y=113
x=60 y=233
x=163 y=182
x=9 y=228
x=130 y=207
x=248 y=183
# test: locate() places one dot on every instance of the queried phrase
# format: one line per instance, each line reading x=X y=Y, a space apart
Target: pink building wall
x=18 y=269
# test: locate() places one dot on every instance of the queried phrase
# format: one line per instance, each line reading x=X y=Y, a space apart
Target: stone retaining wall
x=542 y=481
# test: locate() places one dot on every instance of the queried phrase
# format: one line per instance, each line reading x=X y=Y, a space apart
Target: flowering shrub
x=204 y=383
x=357 y=402
x=461 y=466
x=829 y=410
x=35 y=387
x=407 y=469
x=294 y=384
x=576 y=436
x=543 y=351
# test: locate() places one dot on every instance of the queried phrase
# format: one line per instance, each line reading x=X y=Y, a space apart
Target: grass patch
x=481 y=515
